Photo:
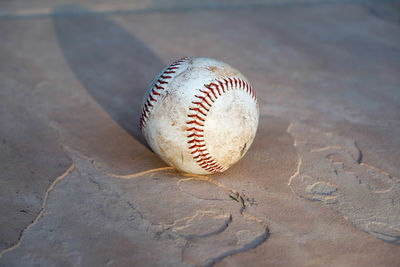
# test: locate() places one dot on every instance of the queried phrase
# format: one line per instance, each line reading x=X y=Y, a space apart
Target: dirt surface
x=318 y=187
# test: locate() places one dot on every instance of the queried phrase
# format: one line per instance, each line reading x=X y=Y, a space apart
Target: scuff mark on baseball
x=200 y=115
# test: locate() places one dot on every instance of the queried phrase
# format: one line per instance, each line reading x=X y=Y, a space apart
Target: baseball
x=199 y=115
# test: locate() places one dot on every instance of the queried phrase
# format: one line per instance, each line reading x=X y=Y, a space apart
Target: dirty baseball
x=200 y=115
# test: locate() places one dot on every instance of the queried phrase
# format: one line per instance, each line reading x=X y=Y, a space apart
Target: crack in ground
x=299 y=161
x=42 y=210
x=218 y=231
x=379 y=220
x=253 y=244
x=157 y=227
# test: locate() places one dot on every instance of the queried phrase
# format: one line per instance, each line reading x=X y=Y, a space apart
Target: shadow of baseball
x=113 y=66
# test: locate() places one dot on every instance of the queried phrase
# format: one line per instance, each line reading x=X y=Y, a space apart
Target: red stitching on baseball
x=222 y=85
x=195 y=122
x=201 y=104
x=197 y=145
x=153 y=96
x=211 y=90
x=195 y=129
x=198 y=110
x=198 y=151
x=198 y=114
x=196 y=135
x=216 y=87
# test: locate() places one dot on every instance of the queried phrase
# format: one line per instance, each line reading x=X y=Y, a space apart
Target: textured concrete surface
x=319 y=186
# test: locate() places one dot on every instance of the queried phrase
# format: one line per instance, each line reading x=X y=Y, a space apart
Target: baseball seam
x=197 y=117
x=155 y=91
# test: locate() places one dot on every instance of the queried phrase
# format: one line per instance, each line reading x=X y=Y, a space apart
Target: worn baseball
x=200 y=115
